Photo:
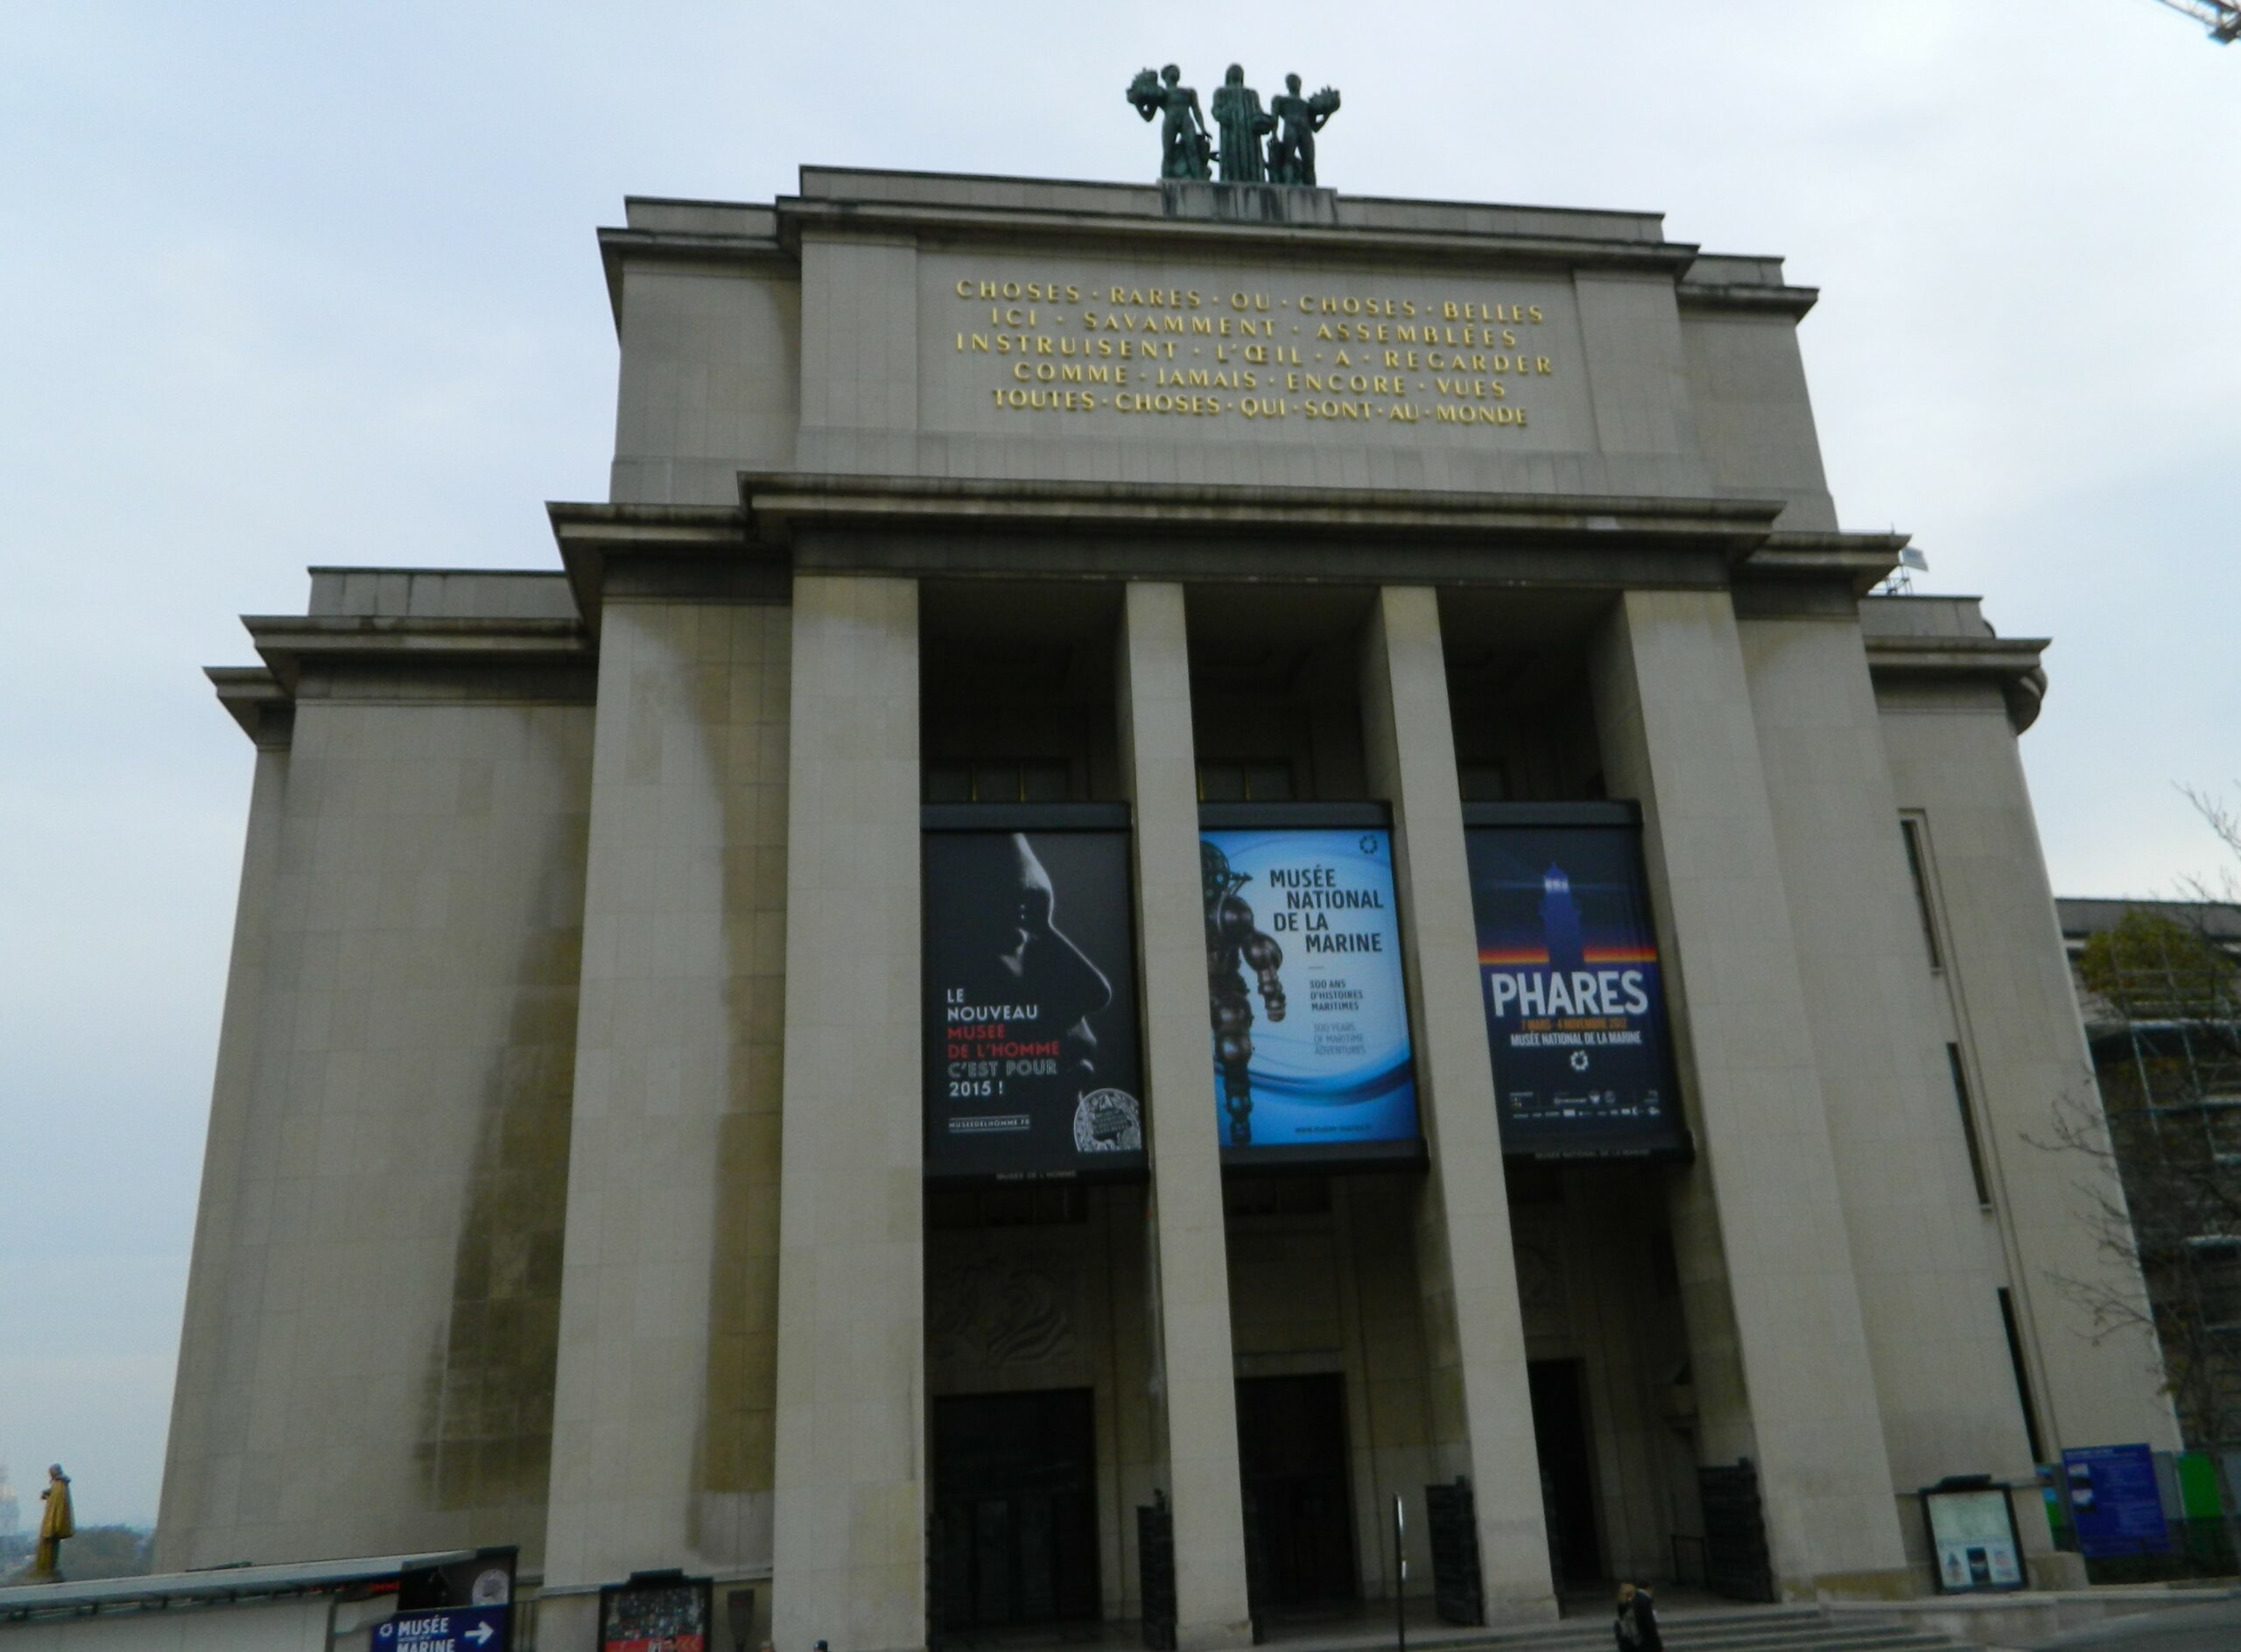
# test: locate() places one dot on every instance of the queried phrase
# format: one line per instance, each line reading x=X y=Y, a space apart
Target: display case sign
x=1972 y=1537
x=1571 y=984
x=654 y=1613
x=1032 y=1064
x=1312 y=1062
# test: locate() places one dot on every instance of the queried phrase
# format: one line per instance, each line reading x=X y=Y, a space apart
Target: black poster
x=1571 y=983
x=1032 y=1064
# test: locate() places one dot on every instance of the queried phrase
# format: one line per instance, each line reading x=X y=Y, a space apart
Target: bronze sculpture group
x=1187 y=148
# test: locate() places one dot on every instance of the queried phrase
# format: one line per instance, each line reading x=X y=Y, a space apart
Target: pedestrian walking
x=1637 y=1621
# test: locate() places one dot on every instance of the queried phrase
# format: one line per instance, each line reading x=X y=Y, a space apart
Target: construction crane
x=2223 y=16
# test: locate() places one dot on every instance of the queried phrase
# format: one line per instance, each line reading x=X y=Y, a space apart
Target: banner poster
x=1032 y=1065
x=1309 y=1017
x=1574 y=1000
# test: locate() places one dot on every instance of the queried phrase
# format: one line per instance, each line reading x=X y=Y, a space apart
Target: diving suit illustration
x=1232 y=943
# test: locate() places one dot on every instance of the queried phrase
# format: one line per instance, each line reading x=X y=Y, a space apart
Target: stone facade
x=564 y=1183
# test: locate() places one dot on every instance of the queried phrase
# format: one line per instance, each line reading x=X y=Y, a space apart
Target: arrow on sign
x=479 y=1634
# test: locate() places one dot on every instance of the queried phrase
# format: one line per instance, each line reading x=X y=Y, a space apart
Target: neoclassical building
x=1213 y=849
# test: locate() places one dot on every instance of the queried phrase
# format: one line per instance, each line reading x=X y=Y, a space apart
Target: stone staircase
x=1799 y=1628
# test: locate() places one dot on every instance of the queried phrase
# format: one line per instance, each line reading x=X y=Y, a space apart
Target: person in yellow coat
x=56 y=1523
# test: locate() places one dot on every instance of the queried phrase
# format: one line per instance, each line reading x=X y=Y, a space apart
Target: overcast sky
x=294 y=283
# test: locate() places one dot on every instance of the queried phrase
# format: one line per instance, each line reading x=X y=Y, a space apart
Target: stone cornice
x=618 y=247
x=780 y=505
x=930 y=220
x=980 y=528
x=2010 y=664
x=962 y=207
x=397 y=646
x=591 y=537
x=253 y=698
x=1864 y=561
x=1793 y=302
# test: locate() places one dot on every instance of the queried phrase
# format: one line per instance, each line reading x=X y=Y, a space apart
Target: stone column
x=1482 y=1410
x=676 y=1046
x=850 y=1563
x=1195 y=1370
x=1782 y=1357
x=210 y=1401
x=1920 y=1243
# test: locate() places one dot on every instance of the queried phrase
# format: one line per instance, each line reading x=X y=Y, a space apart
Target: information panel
x=461 y=1605
x=1972 y=1535
x=1304 y=993
x=655 y=1613
x=1568 y=972
x=2114 y=1502
x=1032 y=1064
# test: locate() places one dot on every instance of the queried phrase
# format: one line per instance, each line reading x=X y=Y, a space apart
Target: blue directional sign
x=456 y=1629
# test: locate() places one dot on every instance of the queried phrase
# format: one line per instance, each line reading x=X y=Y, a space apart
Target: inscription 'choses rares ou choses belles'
x=1315 y=356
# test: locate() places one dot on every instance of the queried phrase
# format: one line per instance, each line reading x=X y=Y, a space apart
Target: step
x=1742 y=1622
x=1768 y=1629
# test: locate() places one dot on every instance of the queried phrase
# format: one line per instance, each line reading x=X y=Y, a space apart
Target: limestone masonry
x=1176 y=860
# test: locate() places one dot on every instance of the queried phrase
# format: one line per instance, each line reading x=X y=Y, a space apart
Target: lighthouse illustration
x=1560 y=920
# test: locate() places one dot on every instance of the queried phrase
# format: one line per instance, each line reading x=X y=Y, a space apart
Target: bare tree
x=2163 y=1004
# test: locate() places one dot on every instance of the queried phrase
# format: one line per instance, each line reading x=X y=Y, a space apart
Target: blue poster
x=2114 y=1502
x=1573 y=991
x=1304 y=993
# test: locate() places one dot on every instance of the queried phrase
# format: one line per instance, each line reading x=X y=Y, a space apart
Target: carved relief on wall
x=1541 y=1292
x=999 y=1311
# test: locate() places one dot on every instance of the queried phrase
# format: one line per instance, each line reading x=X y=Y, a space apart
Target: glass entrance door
x=1015 y=1510
x=1291 y=1440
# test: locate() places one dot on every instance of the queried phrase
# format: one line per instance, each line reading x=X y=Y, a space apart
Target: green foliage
x=97 y=1551
x=107 y=1551
x=2152 y=966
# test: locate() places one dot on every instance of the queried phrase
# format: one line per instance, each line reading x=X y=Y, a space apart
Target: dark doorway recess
x=1291 y=1448
x=1567 y=1471
x=1015 y=1510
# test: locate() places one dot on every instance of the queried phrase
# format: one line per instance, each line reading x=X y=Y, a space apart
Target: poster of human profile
x=1305 y=998
x=1032 y=1064
x=1573 y=993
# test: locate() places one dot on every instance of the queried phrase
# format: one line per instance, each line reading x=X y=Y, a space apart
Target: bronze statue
x=57 y=1521
x=1238 y=115
x=1291 y=158
x=1185 y=150
x=1234 y=937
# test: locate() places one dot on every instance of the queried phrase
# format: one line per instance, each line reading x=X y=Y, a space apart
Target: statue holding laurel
x=1185 y=150
x=1291 y=156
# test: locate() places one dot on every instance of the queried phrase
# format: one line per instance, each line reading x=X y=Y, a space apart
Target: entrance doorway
x=1015 y=1510
x=1567 y=1470
x=1291 y=1448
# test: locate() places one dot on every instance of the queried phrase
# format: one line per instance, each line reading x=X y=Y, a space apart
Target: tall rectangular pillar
x=850 y=1562
x=1762 y=1209
x=1482 y=1408
x=1923 y=1250
x=1194 y=1366
x=676 y=1048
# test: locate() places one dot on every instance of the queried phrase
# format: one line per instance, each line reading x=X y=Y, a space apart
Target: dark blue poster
x=1572 y=989
x=1309 y=1017
x=2114 y=1502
